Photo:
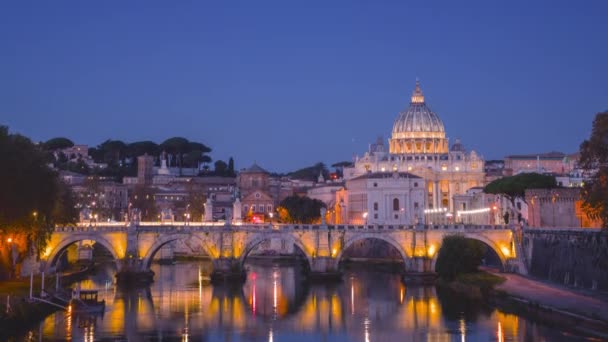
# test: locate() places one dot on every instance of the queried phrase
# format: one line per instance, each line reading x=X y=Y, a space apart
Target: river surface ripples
x=277 y=304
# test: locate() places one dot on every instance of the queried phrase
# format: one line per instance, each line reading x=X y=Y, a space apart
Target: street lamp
x=13 y=253
x=365 y=217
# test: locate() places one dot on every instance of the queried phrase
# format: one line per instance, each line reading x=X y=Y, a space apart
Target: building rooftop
x=381 y=175
x=545 y=156
x=255 y=168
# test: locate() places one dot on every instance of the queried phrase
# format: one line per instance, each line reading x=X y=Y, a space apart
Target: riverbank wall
x=576 y=257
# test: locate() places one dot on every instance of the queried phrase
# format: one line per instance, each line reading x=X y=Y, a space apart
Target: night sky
x=291 y=83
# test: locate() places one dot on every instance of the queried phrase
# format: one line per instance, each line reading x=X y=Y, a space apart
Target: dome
x=418 y=119
x=417 y=129
x=457 y=147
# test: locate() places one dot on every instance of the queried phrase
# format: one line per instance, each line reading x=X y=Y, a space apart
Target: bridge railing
x=561 y=230
x=209 y=226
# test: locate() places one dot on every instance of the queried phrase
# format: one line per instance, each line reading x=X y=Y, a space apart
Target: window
x=375 y=205
x=375 y=216
x=415 y=184
x=415 y=205
x=375 y=185
x=253 y=208
x=396 y=204
x=245 y=208
x=269 y=208
x=396 y=216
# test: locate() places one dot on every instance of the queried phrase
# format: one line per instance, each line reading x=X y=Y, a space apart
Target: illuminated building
x=419 y=146
x=552 y=162
x=385 y=198
x=254 y=187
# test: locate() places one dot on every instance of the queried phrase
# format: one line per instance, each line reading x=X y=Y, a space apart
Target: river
x=276 y=304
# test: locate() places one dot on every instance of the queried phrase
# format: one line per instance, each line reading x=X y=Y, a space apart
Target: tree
x=458 y=255
x=33 y=198
x=113 y=151
x=594 y=160
x=176 y=146
x=139 y=148
x=57 y=144
x=515 y=186
x=221 y=168
x=310 y=173
x=231 y=167
x=342 y=164
x=300 y=210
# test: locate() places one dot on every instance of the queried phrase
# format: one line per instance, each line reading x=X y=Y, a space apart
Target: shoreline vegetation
x=482 y=286
x=24 y=314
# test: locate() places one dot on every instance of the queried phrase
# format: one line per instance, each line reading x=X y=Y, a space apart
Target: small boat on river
x=86 y=301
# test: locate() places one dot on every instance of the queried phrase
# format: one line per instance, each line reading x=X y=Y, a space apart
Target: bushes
x=458 y=255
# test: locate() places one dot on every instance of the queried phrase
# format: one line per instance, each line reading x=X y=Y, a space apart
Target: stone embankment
x=586 y=304
x=576 y=257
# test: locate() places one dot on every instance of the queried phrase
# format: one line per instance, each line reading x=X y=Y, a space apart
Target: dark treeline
x=121 y=157
x=32 y=200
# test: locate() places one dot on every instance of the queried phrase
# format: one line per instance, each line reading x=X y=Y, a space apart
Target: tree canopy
x=594 y=160
x=57 y=143
x=310 y=173
x=515 y=186
x=296 y=209
x=458 y=255
x=342 y=164
x=139 y=148
x=33 y=198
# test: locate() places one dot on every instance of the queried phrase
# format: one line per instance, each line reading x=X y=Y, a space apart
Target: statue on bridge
x=208 y=210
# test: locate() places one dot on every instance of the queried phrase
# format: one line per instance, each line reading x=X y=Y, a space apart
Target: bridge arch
x=481 y=238
x=163 y=240
x=369 y=236
x=258 y=239
x=71 y=239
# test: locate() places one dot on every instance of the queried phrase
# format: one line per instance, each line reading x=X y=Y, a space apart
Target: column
x=436 y=195
x=450 y=194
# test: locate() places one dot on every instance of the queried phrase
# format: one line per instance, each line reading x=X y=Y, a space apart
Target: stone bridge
x=134 y=245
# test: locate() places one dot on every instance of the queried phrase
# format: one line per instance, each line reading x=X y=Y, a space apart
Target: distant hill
x=310 y=173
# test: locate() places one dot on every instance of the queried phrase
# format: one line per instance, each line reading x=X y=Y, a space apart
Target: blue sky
x=289 y=83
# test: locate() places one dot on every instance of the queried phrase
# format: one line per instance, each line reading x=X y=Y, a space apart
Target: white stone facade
x=418 y=145
x=385 y=198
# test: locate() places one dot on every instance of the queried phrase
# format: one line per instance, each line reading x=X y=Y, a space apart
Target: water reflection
x=276 y=304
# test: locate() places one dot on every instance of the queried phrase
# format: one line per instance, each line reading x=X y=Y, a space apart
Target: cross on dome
x=417 y=96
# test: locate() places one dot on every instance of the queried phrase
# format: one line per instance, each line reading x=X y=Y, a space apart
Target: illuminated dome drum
x=418 y=130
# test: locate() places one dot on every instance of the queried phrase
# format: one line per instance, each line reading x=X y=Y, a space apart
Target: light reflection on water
x=276 y=304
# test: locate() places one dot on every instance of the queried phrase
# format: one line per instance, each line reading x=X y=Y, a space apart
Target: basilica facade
x=419 y=146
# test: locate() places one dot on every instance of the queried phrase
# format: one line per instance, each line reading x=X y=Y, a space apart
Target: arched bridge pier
x=134 y=245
